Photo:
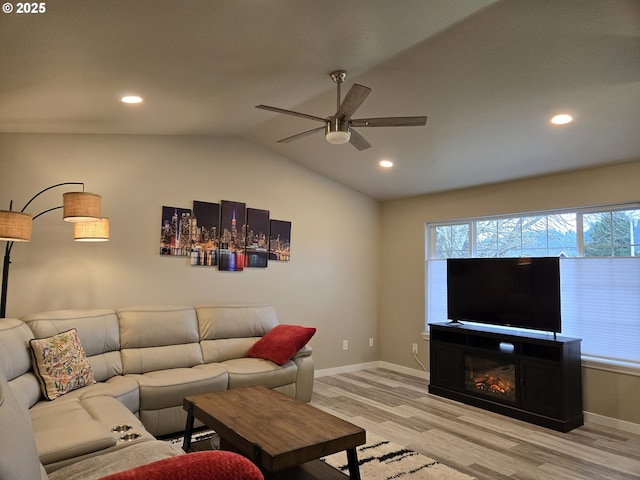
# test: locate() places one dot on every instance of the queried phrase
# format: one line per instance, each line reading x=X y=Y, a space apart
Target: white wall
x=330 y=282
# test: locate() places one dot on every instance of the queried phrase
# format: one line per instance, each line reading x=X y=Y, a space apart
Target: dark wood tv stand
x=532 y=377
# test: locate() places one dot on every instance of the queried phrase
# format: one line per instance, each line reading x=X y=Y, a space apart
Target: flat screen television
x=512 y=292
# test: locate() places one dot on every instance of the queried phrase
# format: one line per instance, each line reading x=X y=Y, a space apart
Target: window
x=599 y=270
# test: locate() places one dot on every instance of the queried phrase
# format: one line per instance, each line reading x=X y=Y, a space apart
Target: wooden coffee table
x=282 y=436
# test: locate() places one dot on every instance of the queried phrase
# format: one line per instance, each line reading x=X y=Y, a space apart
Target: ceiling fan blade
x=389 y=122
x=300 y=135
x=291 y=112
x=352 y=101
x=358 y=141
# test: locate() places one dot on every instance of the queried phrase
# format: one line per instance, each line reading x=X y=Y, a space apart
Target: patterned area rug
x=198 y=436
x=379 y=460
x=383 y=460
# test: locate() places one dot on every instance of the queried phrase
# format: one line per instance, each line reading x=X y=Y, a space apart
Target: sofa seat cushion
x=113 y=462
x=167 y=388
x=248 y=372
x=123 y=389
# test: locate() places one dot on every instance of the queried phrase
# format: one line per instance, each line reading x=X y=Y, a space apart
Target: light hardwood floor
x=480 y=443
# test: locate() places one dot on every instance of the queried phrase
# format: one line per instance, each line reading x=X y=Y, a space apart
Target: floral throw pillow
x=61 y=364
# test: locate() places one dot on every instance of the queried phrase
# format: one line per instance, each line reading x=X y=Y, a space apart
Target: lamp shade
x=15 y=226
x=91 y=231
x=82 y=207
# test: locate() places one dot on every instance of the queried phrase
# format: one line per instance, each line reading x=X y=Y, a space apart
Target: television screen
x=514 y=292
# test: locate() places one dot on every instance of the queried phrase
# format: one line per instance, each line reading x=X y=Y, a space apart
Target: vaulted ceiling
x=488 y=75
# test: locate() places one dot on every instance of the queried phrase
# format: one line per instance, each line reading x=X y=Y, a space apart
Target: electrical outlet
x=414 y=348
x=345 y=344
x=371 y=342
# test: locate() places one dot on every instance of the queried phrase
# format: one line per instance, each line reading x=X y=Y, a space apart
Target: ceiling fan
x=339 y=127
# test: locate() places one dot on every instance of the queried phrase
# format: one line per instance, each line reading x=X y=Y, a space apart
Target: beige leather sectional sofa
x=145 y=360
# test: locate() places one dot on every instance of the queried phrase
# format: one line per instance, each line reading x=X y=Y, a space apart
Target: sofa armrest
x=305 y=351
x=306 y=371
x=104 y=464
x=55 y=445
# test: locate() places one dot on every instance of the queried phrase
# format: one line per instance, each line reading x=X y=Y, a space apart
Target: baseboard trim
x=406 y=370
x=589 y=417
x=623 y=425
x=346 y=369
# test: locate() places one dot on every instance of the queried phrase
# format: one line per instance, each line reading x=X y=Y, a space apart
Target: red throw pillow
x=209 y=465
x=281 y=343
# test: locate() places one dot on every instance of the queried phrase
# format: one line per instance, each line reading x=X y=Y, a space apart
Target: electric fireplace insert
x=493 y=378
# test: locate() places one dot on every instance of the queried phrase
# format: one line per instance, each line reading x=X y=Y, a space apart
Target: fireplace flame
x=493 y=384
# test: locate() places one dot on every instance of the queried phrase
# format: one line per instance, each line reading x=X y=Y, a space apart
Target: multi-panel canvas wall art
x=280 y=241
x=205 y=233
x=227 y=235
x=257 y=241
x=232 y=236
x=175 y=238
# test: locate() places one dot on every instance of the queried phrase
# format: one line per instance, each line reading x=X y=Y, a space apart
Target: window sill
x=615 y=366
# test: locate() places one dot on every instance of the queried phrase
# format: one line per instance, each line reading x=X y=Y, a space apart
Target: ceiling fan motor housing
x=337 y=131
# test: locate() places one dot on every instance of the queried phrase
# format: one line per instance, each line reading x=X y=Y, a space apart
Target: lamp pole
x=5 y=279
x=7 y=250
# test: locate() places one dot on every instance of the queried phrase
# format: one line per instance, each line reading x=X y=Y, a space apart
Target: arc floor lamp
x=82 y=208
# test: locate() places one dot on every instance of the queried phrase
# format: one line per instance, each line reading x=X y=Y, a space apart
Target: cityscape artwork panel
x=228 y=235
x=280 y=241
x=175 y=237
x=232 y=236
x=257 y=239
x=205 y=237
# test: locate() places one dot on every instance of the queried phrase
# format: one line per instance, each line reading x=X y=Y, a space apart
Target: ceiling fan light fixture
x=338 y=138
x=337 y=131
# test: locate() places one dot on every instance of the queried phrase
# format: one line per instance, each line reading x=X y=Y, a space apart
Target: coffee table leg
x=354 y=468
x=188 y=431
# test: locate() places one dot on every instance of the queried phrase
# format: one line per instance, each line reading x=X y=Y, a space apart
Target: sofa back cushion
x=239 y=321
x=158 y=338
x=15 y=360
x=228 y=332
x=98 y=332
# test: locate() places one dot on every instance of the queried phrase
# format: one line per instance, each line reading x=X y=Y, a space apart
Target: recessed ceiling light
x=386 y=163
x=131 y=99
x=561 y=119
